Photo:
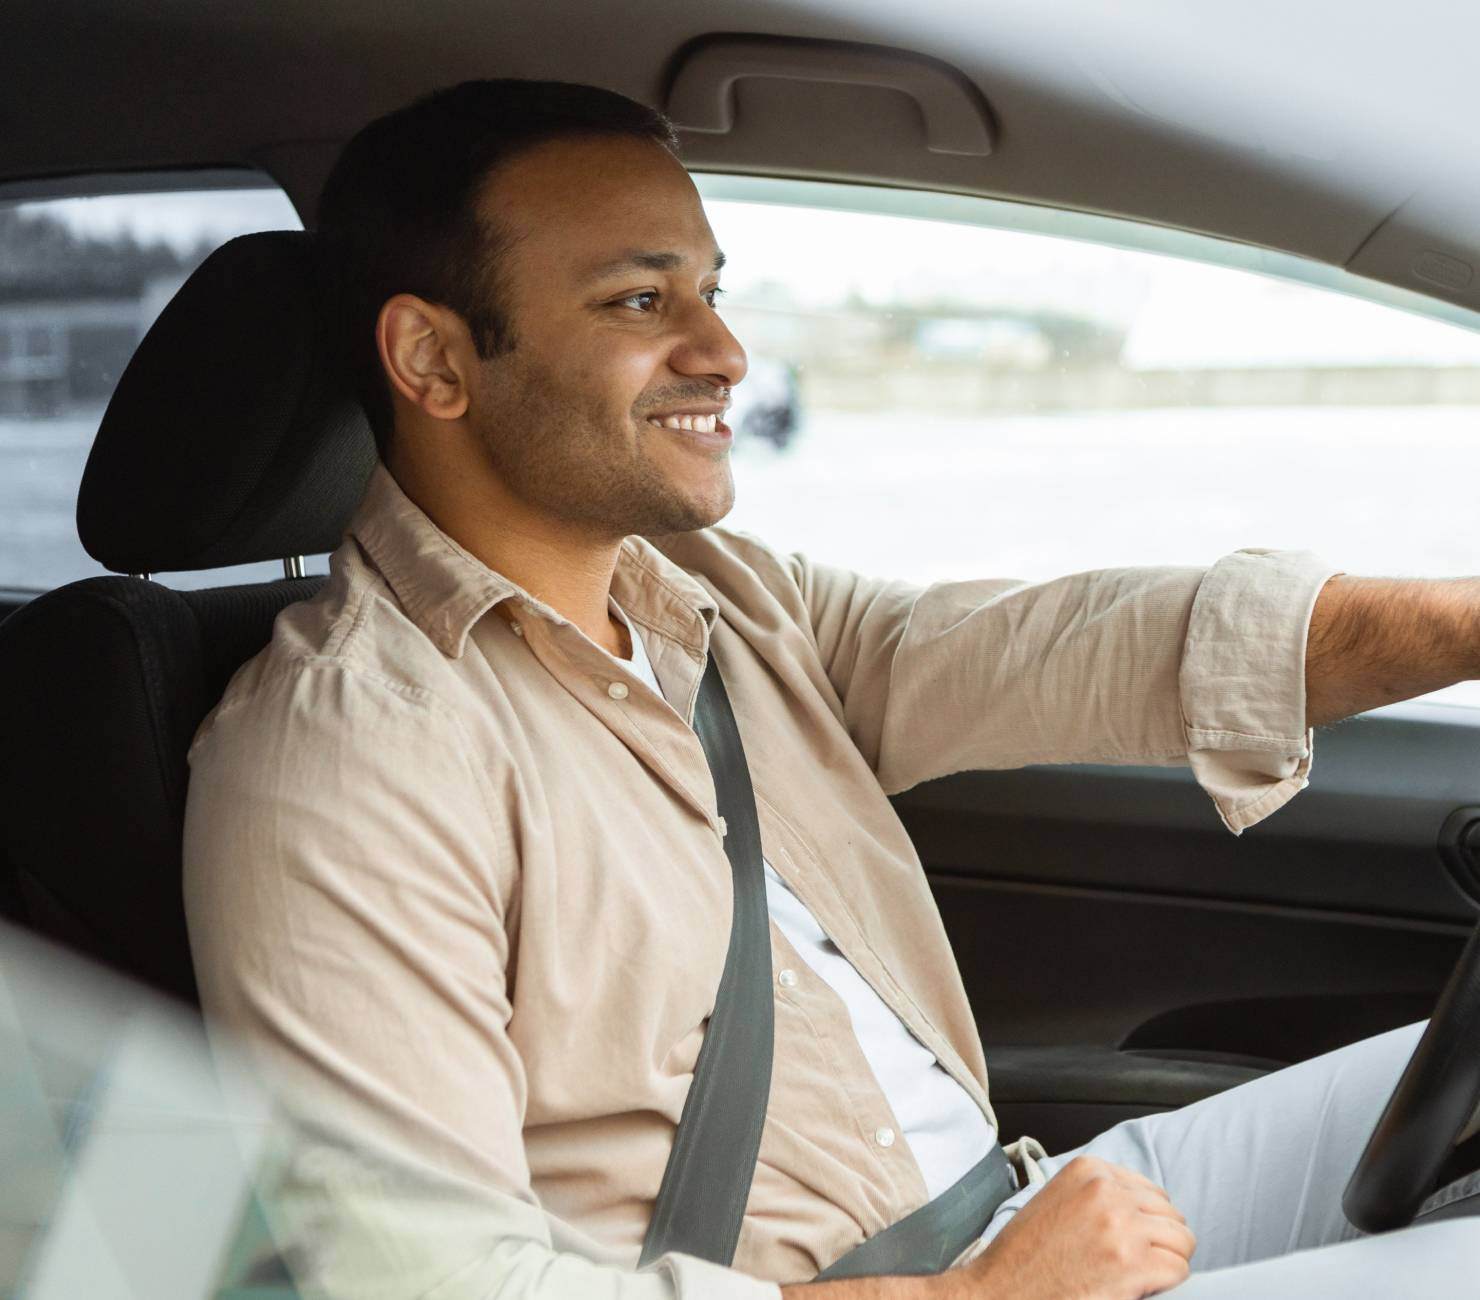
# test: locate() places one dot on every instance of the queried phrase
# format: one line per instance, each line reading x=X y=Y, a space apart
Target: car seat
x=199 y=462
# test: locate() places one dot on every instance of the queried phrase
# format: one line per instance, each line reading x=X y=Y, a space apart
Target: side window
x=81 y=279
x=1007 y=393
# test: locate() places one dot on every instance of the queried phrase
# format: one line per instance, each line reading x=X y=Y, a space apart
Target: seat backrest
x=118 y=673
x=232 y=438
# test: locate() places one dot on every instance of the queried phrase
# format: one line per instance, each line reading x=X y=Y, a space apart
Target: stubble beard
x=571 y=463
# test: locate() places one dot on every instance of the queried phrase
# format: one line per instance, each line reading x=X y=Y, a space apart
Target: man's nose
x=708 y=348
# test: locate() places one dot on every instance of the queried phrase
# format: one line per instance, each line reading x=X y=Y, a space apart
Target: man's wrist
x=940 y=1286
x=1373 y=641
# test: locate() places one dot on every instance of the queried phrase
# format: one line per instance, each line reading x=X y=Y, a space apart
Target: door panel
x=1108 y=907
x=1065 y=1095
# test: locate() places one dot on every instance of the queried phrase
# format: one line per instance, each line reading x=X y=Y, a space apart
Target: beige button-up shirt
x=457 y=880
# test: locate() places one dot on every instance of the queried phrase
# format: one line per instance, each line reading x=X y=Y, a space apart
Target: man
x=453 y=865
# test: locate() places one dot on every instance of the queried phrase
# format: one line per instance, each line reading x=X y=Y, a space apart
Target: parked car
x=766 y=403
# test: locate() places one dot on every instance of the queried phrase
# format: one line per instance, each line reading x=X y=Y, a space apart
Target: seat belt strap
x=930 y=1238
x=706 y=1183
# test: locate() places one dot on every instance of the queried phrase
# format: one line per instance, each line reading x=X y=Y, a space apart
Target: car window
x=945 y=388
x=131 y=1154
x=81 y=279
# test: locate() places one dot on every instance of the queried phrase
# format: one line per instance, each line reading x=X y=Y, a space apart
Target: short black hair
x=398 y=213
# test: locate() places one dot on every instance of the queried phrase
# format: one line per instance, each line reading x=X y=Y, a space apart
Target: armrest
x=1064 y=1096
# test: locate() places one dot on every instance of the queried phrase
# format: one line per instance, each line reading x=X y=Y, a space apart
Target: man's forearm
x=933 y=1287
x=1373 y=641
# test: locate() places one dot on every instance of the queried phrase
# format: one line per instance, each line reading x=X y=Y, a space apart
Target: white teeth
x=693 y=423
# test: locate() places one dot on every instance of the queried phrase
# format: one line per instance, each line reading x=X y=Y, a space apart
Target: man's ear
x=425 y=350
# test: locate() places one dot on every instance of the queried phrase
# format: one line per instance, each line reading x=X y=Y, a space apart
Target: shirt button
x=788 y=979
x=516 y=629
x=617 y=690
x=884 y=1137
x=724 y=828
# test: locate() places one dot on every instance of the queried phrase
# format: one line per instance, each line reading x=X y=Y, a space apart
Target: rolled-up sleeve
x=1153 y=666
x=1242 y=681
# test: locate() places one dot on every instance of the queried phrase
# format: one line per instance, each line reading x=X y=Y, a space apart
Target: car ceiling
x=1335 y=131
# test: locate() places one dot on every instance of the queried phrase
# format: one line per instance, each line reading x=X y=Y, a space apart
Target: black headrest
x=234 y=435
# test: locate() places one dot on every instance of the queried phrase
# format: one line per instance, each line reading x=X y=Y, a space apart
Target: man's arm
x=348 y=930
x=346 y=875
x=1374 y=641
x=1137 y=665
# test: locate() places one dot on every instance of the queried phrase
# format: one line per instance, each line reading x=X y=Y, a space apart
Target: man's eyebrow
x=641 y=259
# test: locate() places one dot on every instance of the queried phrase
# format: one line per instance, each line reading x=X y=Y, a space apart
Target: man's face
x=608 y=285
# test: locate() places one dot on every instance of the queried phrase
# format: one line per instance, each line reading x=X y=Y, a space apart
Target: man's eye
x=711 y=296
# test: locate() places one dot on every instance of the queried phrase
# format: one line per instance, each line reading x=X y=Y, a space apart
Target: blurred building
x=73 y=309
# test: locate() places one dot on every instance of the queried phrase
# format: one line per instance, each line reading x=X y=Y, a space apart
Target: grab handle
x=702 y=97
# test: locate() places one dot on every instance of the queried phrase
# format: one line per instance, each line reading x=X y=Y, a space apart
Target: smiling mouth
x=693 y=423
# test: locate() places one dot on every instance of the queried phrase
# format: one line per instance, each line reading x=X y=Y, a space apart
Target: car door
x=987 y=390
x=1098 y=908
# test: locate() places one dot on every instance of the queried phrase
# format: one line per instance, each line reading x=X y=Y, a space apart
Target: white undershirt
x=945 y=1129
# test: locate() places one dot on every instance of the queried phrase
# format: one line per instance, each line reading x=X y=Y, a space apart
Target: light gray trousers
x=1259 y=1171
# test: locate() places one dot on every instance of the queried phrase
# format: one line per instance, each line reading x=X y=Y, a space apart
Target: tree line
x=41 y=257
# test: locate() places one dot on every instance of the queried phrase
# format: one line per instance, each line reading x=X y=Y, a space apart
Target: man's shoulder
x=350 y=638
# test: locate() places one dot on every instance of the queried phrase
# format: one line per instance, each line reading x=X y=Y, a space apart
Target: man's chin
x=688 y=517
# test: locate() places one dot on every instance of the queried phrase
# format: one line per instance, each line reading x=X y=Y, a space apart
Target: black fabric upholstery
x=232 y=436
x=9 y=603
x=107 y=681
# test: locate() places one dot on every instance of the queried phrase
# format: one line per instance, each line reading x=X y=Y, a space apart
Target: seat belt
x=701 y=1200
x=706 y=1183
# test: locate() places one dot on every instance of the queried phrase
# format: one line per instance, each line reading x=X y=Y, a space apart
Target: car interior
x=1123 y=952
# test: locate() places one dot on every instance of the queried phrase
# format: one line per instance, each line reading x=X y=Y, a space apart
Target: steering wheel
x=1433 y=1101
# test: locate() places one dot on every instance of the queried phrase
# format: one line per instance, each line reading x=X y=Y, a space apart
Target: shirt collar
x=444 y=589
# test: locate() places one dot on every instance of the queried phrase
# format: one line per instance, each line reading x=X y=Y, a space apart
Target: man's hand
x=1096 y=1231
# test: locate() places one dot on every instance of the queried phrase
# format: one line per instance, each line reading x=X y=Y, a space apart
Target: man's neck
x=554 y=563
x=573 y=579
